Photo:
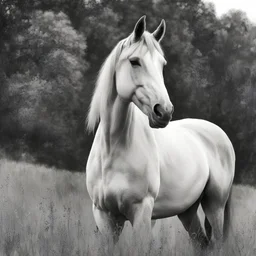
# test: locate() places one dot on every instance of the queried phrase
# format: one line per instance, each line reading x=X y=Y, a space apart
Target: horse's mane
x=105 y=82
x=104 y=87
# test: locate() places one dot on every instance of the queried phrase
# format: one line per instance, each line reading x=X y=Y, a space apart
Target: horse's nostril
x=157 y=110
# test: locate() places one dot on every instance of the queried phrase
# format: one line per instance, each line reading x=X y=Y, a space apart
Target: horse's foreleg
x=191 y=223
x=140 y=216
x=109 y=226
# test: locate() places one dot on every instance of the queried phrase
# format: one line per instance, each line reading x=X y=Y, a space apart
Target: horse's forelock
x=152 y=44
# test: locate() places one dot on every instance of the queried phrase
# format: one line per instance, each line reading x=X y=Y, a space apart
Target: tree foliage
x=43 y=107
x=51 y=52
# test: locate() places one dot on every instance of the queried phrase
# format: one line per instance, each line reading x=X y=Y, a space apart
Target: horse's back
x=215 y=141
x=212 y=138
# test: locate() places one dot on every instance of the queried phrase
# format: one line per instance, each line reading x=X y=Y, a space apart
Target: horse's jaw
x=157 y=124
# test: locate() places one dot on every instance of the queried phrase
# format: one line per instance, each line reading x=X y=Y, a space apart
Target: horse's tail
x=228 y=214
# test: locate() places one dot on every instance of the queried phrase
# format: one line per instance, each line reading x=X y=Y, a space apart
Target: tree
x=44 y=92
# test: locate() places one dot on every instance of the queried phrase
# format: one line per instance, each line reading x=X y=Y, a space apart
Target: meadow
x=47 y=212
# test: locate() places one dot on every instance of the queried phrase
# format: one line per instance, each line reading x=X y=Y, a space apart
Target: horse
x=142 y=166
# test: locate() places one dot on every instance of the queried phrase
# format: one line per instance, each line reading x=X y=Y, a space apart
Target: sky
x=223 y=6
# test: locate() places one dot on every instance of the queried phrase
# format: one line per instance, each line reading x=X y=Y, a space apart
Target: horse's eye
x=135 y=62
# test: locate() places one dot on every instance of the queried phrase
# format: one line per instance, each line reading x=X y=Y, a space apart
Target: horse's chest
x=120 y=193
x=127 y=181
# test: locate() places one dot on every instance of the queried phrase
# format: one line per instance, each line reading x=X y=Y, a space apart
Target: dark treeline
x=51 y=51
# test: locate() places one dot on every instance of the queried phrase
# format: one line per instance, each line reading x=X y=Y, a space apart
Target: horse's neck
x=118 y=124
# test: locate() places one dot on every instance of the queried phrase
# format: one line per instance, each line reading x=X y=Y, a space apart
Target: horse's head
x=139 y=74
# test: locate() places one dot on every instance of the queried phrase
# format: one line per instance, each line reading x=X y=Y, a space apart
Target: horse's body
x=195 y=155
x=137 y=173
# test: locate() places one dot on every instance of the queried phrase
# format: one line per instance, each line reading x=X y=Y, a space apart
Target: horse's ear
x=160 y=31
x=139 y=28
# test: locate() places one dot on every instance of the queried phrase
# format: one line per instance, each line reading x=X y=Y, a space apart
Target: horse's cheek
x=124 y=85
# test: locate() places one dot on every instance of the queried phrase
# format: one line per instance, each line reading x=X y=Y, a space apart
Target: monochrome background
x=50 y=55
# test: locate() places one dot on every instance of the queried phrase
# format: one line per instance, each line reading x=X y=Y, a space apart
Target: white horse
x=139 y=174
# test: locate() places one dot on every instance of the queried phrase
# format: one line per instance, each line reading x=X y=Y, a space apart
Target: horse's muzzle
x=161 y=116
x=157 y=124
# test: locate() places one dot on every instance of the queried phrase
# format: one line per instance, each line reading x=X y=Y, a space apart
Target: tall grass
x=48 y=212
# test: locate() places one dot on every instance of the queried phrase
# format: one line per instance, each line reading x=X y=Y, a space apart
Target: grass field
x=47 y=212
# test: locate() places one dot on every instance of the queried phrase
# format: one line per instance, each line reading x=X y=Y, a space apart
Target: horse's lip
x=157 y=123
x=166 y=118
